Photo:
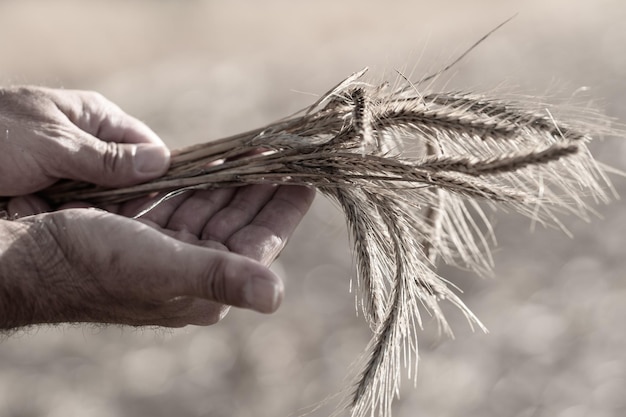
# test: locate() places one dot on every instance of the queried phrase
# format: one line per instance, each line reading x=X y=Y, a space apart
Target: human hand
x=180 y=265
x=48 y=134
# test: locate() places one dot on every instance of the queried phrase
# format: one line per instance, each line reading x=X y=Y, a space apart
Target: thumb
x=228 y=278
x=171 y=268
x=114 y=164
x=224 y=277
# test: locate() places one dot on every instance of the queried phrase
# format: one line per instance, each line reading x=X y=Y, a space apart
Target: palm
x=254 y=221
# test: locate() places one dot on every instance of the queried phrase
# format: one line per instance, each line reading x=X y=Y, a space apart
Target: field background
x=199 y=70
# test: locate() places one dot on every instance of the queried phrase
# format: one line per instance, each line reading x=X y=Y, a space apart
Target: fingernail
x=151 y=159
x=263 y=295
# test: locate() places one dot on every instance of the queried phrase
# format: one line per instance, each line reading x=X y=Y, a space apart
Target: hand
x=171 y=268
x=48 y=134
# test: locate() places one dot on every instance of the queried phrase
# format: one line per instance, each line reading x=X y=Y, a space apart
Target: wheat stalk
x=403 y=212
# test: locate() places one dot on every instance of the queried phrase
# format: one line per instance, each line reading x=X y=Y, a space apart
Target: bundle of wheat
x=411 y=172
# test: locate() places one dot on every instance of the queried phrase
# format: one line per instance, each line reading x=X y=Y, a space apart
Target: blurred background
x=198 y=70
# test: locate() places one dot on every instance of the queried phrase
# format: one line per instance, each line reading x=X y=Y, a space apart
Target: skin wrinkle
x=30 y=162
x=68 y=142
x=32 y=254
x=105 y=303
x=11 y=232
x=66 y=112
x=67 y=280
x=111 y=160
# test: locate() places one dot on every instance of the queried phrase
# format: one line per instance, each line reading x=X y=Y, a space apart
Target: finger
x=174 y=268
x=106 y=163
x=268 y=232
x=117 y=126
x=161 y=213
x=185 y=236
x=96 y=115
x=108 y=146
x=194 y=213
x=27 y=205
x=222 y=277
x=244 y=206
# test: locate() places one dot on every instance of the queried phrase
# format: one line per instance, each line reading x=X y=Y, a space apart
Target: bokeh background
x=198 y=70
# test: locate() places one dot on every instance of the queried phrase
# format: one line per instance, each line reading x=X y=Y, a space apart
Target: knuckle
x=91 y=99
x=213 y=283
x=95 y=111
x=111 y=158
